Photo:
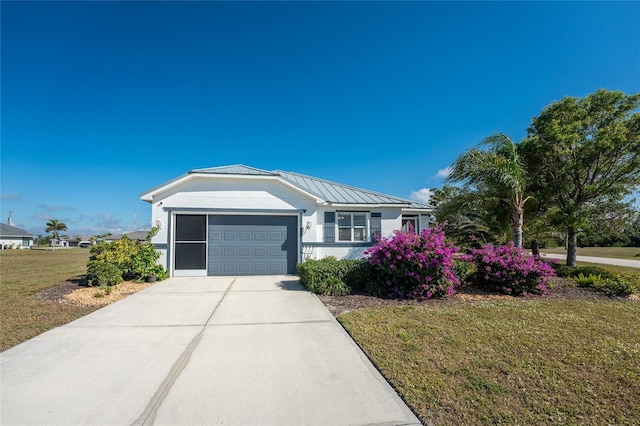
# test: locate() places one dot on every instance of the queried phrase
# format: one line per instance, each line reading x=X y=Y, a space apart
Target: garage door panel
x=259 y=236
x=230 y=236
x=252 y=245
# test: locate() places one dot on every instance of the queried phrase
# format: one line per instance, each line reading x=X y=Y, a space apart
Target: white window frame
x=352 y=227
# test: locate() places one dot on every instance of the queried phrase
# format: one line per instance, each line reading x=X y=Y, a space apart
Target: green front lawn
x=509 y=361
x=610 y=252
x=24 y=273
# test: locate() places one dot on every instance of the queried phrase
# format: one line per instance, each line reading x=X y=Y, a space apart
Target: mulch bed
x=73 y=293
x=561 y=289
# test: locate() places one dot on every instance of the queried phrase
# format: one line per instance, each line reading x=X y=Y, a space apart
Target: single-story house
x=15 y=238
x=239 y=220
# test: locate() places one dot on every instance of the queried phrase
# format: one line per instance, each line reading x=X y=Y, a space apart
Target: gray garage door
x=252 y=245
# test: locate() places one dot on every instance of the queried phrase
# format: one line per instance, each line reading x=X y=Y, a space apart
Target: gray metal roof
x=331 y=192
x=338 y=193
x=12 y=231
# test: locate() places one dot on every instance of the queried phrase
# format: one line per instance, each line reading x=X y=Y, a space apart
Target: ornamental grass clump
x=413 y=266
x=509 y=270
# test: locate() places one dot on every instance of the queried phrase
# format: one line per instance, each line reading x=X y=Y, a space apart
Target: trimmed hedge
x=101 y=273
x=333 y=277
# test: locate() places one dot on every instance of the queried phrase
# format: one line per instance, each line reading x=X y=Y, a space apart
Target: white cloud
x=421 y=195
x=42 y=216
x=10 y=196
x=54 y=208
x=444 y=173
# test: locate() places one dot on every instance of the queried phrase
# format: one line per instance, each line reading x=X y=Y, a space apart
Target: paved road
x=199 y=351
x=605 y=260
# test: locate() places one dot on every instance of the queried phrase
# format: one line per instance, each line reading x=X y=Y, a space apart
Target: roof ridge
x=230 y=166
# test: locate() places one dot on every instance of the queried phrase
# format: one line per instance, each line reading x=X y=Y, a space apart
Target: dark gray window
x=329 y=227
x=191 y=241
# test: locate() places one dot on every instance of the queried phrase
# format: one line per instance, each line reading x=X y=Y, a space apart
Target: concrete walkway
x=199 y=351
x=588 y=259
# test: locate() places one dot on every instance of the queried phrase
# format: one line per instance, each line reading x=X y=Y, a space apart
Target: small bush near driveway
x=332 y=277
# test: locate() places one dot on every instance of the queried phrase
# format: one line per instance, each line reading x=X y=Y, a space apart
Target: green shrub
x=134 y=259
x=619 y=285
x=334 y=286
x=590 y=280
x=464 y=270
x=571 y=271
x=334 y=277
x=613 y=285
x=101 y=273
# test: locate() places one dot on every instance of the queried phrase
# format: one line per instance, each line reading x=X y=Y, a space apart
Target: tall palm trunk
x=516 y=224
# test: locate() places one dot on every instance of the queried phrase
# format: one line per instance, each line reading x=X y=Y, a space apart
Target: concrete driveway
x=199 y=351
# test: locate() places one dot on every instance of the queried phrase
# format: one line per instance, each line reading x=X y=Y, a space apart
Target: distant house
x=59 y=243
x=136 y=235
x=239 y=220
x=14 y=238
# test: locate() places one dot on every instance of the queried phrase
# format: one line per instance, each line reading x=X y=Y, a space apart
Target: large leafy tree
x=498 y=173
x=581 y=153
x=54 y=225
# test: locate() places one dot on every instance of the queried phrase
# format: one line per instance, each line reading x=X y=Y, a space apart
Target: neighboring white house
x=14 y=238
x=238 y=220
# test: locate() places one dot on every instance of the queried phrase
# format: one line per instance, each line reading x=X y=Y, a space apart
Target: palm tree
x=54 y=225
x=497 y=172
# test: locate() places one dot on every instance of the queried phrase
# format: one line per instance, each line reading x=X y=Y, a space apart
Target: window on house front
x=352 y=226
x=25 y=242
x=410 y=224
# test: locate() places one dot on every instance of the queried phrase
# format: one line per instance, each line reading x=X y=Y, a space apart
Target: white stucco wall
x=16 y=242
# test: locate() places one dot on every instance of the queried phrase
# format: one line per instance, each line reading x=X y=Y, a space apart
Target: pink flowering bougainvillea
x=510 y=270
x=414 y=266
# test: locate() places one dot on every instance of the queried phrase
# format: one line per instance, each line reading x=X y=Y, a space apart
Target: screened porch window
x=352 y=226
x=191 y=241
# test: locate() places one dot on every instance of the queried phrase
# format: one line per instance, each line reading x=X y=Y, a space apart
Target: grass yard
x=614 y=269
x=565 y=361
x=24 y=273
x=632 y=253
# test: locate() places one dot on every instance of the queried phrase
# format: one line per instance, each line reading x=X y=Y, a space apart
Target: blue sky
x=101 y=101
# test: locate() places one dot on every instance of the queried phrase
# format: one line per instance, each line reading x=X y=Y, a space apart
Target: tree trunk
x=535 y=248
x=516 y=224
x=572 y=242
x=517 y=236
